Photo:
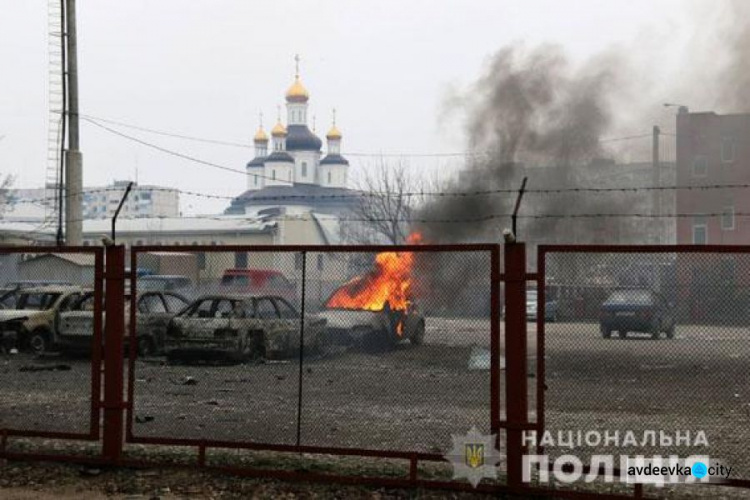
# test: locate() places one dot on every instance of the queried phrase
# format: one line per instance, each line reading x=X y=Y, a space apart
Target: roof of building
x=334 y=159
x=260 y=135
x=301 y=138
x=310 y=195
x=297 y=92
x=278 y=130
x=334 y=133
x=79 y=259
x=258 y=161
x=279 y=156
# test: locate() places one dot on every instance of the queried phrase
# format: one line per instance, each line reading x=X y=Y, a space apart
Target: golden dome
x=278 y=130
x=260 y=135
x=297 y=92
x=333 y=133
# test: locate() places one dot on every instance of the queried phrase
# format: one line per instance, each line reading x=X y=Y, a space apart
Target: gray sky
x=207 y=67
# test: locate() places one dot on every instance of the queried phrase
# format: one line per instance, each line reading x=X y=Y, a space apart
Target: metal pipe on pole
x=73 y=156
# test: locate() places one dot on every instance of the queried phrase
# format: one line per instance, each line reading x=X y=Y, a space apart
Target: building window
x=273 y=175
x=240 y=260
x=700 y=166
x=255 y=179
x=304 y=169
x=727 y=218
x=201 y=258
x=700 y=231
x=329 y=177
x=727 y=150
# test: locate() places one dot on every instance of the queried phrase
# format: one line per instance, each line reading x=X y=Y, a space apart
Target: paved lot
x=414 y=398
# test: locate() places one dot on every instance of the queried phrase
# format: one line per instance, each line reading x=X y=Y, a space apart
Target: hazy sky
x=207 y=67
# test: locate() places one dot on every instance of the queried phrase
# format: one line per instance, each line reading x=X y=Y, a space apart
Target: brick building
x=713 y=149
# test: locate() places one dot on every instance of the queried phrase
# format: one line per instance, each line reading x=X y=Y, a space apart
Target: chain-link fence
x=640 y=345
x=50 y=302
x=396 y=346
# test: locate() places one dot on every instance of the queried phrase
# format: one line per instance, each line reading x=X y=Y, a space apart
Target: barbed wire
x=270 y=218
x=357 y=194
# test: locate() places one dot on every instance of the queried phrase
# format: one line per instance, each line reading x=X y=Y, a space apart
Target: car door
x=271 y=324
x=289 y=323
x=200 y=320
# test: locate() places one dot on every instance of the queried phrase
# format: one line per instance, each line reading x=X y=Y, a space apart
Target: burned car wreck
x=241 y=327
x=377 y=310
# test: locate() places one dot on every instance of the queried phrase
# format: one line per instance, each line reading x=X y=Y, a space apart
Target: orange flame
x=389 y=282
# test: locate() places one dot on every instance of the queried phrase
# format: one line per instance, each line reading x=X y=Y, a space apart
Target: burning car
x=377 y=309
x=241 y=327
x=33 y=322
x=153 y=312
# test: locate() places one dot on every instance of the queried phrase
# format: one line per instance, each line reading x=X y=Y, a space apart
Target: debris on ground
x=44 y=368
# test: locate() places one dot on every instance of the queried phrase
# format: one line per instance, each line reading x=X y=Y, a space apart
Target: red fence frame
x=411 y=456
x=540 y=278
x=96 y=353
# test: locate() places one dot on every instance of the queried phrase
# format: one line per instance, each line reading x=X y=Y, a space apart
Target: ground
x=415 y=397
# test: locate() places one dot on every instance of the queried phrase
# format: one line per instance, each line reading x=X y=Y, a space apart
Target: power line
x=99 y=120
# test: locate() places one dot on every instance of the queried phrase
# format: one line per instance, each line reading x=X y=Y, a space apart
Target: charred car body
x=33 y=323
x=373 y=329
x=240 y=327
x=153 y=312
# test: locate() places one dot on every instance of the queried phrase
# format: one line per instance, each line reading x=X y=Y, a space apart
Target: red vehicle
x=259 y=282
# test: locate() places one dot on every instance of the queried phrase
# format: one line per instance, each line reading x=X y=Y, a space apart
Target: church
x=293 y=172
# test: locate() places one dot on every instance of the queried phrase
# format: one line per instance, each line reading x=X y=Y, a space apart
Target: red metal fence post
x=114 y=335
x=515 y=358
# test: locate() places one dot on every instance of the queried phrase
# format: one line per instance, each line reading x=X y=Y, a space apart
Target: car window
x=67 y=302
x=278 y=281
x=265 y=309
x=175 y=303
x=631 y=297
x=223 y=309
x=202 y=310
x=37 y=301
x=86 y=303
x=151 y=303
x=286 y=311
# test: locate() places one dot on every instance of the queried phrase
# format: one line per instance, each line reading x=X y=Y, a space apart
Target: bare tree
x=389 y=195
x=6 y=182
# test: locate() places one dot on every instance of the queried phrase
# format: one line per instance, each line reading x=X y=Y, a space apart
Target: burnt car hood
x=350 y=318
x=16 y=314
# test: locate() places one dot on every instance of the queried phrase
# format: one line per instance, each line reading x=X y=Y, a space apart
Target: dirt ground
x=415 y=397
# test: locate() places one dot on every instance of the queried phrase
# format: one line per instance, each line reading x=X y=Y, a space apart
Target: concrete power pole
x=656 y=182
x=73 y=156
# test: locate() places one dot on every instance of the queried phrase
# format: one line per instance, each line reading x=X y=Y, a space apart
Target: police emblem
x=474 y=456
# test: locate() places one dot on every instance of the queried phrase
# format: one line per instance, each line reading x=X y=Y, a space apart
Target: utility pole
x=656 y=183
x=73 y=156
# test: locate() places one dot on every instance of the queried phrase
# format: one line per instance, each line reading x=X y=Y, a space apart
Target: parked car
x=241 y=327
x=8 y=298
x=375 y=329
x=532 y=307
x=259 y=282
x=636 y=310
x=35 y=317
x=154 y=310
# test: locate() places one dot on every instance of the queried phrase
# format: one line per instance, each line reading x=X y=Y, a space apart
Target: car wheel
x=623 y=333
x=655 y=332
x=606 y=332
x=377 y=341
x=244 y=349
x=146 y=346
x=417 y=337
x=39 y=342
x=670 y=332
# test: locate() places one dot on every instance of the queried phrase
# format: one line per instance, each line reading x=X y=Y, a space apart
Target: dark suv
x=636 y=310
